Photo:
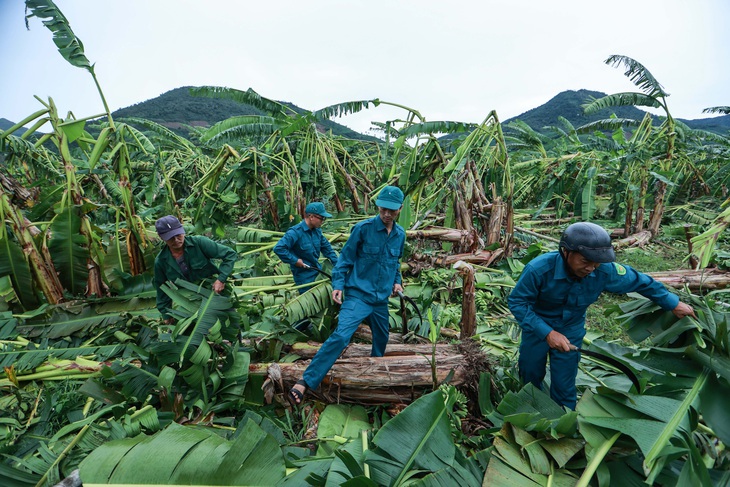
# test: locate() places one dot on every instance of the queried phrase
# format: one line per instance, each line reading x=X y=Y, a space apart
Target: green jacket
x=198 y=254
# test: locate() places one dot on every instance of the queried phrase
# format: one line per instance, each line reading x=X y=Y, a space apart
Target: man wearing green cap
x=367 y=273
x=301 y=245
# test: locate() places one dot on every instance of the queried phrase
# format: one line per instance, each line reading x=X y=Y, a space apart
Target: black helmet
x=590 y=241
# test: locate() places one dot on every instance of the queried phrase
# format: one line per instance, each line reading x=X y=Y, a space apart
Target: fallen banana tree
x=397 y=378
x=701 y=280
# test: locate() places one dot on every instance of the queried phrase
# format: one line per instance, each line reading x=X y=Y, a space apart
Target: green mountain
x=568 y=105
x=6 y=124
x=177 y=108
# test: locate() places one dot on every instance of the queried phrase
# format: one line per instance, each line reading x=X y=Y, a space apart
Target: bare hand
x=337 y=296
x=683 y=310
x=299 y=263
x=558 y=341
x=397 y=288
x=169 y=321
x=218 y=286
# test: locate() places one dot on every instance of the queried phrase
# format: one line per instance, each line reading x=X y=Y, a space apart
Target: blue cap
x=317 y=208
x=390 y=197
x=168 y=227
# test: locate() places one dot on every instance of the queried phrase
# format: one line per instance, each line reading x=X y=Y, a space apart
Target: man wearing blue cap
x=367 y=272
x=188 y=258
x=301 y=245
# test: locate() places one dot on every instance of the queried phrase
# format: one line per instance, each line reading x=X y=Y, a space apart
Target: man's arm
x=345 y=263
x=521 y=302
x=284 y=245
x=624 y=279
x=398 y=276
x=215 y=250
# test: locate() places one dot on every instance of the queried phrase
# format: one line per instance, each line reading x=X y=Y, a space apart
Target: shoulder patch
x=621 y=270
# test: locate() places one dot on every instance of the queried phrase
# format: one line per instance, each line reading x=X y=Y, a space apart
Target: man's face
x=388 y=216
x=579 y=265
x=314 y=220
x=176 y=243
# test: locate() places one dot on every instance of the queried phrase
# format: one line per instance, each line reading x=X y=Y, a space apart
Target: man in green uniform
x=188 y=258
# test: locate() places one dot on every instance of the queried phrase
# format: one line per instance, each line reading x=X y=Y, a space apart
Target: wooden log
x=707 y=279
x=421 y=261
x=538 y=235
x=638 y=239
x=307 y=350
x=369 y=380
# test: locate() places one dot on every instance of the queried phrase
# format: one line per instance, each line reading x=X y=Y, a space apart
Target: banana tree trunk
x=355 y=197
x=481 y=257
x=638 y=239
x=705 y=279
x=371 y=380
x=44 y=273
x=655 y=218
x=642 y=199
x=495 y=222
x=307 y=350
x=468 y=303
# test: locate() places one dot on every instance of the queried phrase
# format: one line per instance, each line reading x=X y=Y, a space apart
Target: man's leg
x=533 y=358
x=352 y=312
x=380 y=326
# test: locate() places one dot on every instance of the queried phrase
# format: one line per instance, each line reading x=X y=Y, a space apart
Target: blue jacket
x=547 y=298
x=369 y=262
x=302 y=242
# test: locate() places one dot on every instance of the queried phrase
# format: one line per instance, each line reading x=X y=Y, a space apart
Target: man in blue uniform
x=551 y=298
x=188 y=258
x=367 y=273
x=301 y=245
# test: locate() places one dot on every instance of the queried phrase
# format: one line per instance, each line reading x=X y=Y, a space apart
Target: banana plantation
x=97 y=389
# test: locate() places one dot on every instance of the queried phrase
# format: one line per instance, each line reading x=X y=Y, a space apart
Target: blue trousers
x=352 y=313
x=532 y=363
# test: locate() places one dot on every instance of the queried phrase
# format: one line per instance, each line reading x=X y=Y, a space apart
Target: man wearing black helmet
x=551 y=298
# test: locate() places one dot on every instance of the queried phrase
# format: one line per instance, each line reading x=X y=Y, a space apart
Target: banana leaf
x=25 y=360
x=189 y=456
x=311 y=303
x=340 y=420
x=713 y=400
x=64 y=324
x=14 y=264
x=70 y=46
x=508 y=468
x=417 y=438
x=68 y=250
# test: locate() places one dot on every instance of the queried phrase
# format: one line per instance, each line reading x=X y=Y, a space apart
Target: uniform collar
x=561 y=270
x=380 y=226
x=305 y=227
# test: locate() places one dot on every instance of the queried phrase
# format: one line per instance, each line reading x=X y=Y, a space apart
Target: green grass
x=652 y=258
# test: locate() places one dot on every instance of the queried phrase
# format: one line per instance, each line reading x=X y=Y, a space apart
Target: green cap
x=390 y=197
x=317 y=208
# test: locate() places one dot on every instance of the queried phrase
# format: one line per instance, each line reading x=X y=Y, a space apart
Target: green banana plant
x=652 y=95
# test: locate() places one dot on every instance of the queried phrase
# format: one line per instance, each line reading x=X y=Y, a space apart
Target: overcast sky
x=448 y=60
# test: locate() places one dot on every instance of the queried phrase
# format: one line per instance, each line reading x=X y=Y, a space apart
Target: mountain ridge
x=177 y=109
